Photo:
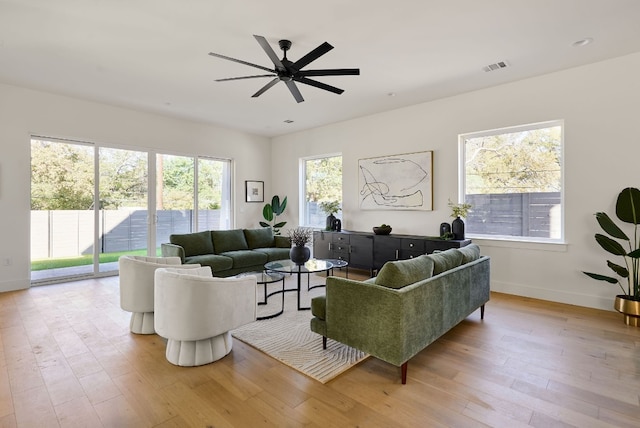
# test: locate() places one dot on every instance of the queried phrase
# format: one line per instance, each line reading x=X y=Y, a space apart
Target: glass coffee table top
x=311 y=266
x=264 y=277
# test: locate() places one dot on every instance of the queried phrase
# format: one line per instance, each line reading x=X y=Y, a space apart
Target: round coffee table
x=287 y=266
x=264 y=278
x=339 y=264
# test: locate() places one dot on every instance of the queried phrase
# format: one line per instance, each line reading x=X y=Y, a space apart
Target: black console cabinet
x=369 y=251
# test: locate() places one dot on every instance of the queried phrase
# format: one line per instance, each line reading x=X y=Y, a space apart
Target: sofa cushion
x=259 y=238
x=399 y=273
x=275 y=253
x=246 y=258
x=216 y=262
x=228 y=240
x=470 y=253
x=282 y=241
x=194 y=243
x=445 y=260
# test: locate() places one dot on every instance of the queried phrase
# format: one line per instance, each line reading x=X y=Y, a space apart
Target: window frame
x=510 y=130
x=302 y=179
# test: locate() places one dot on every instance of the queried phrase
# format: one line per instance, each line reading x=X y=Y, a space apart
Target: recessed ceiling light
x=391 y=94
x=582 y=42
x=288 y=121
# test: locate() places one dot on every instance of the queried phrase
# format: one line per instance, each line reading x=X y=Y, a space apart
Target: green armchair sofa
x=409 y=305
x=229 y=252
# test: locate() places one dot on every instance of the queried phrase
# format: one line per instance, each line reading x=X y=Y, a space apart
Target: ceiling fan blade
x=312 y=56
x=319 y=85
x=331 y=72
x=244 y=77
x=270 y=53
x=241 y=62
x=294 y=90
x=265 y=87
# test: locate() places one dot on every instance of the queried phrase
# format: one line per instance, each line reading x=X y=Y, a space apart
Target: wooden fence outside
x=69 y=233
x=519 y=214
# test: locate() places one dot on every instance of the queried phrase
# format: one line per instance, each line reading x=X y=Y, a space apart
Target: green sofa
x=409 y=305
x=229 y=252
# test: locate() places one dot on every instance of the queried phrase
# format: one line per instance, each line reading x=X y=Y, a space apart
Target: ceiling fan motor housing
x=285 y=45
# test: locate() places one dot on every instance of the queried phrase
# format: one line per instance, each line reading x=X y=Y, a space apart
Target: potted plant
x=627 y=211
x=458 y=211
x=271 y=211
x=330 y=208
x=300 y=253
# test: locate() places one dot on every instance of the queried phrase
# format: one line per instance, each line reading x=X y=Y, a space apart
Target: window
x=322 y=182
x=512 y=177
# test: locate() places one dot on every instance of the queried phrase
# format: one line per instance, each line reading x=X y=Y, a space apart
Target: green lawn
x=82 y=260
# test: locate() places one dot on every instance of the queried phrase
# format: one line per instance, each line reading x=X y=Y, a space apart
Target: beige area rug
x=288 y=338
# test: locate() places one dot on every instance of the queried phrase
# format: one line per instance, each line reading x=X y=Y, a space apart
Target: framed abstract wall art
x=396 y=182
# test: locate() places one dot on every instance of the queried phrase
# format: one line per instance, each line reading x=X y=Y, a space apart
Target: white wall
x=599 y=104
x=24 y=112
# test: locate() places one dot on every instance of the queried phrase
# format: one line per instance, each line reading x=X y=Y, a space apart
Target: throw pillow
x=194 y=244
x=228 y=240
x=445 y=260
x=259 y=238
x=470 y=253
x=400 y=273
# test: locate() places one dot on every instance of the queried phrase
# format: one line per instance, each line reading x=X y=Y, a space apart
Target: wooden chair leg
x=324 y=342
x=403 y=369
x=482 y=312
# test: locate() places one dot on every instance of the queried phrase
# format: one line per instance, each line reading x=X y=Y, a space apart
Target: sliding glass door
x=174 y=196
x=90 y=205
x=123 y=216
x=62 y=200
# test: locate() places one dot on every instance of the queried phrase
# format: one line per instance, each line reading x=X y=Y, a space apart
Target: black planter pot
x=330 y=219
x=445 y=228
x=299 y=255
x=457 y=228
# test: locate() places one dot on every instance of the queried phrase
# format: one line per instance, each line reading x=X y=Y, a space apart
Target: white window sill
x=511 y=242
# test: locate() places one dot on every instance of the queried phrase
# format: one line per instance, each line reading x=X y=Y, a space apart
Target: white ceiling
x=153 y=54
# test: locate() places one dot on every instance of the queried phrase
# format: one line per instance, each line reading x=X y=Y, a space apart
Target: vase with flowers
x=300 y=253
x=458 y=212
x=330 y=208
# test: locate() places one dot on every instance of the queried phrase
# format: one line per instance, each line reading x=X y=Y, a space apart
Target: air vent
x=288 y=121
x=496 y=66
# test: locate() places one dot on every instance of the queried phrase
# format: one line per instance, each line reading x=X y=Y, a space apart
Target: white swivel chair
x=195 y=313
x=136 y=288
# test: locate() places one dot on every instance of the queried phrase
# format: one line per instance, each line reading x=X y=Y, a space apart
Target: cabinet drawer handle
x=397 y=254
x=411 y=245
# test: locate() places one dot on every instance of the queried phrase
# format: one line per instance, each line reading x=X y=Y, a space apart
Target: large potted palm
x=628 y=211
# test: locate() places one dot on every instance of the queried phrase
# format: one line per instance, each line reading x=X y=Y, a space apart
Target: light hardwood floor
x=68 y=359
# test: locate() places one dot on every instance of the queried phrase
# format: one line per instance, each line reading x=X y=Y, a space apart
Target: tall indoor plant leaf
x=627 y=211
x=271 y=211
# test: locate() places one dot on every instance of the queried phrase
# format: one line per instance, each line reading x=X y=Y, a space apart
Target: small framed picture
x=255 y=191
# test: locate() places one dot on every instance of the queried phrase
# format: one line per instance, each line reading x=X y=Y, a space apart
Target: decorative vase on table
x=300 y=255
x=457 y=228
x=330 y=219
x=445 y=229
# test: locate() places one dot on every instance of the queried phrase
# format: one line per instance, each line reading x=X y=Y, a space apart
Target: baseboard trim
x=559 y=296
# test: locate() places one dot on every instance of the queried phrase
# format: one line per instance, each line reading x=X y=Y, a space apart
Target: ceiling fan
x=290 y=72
